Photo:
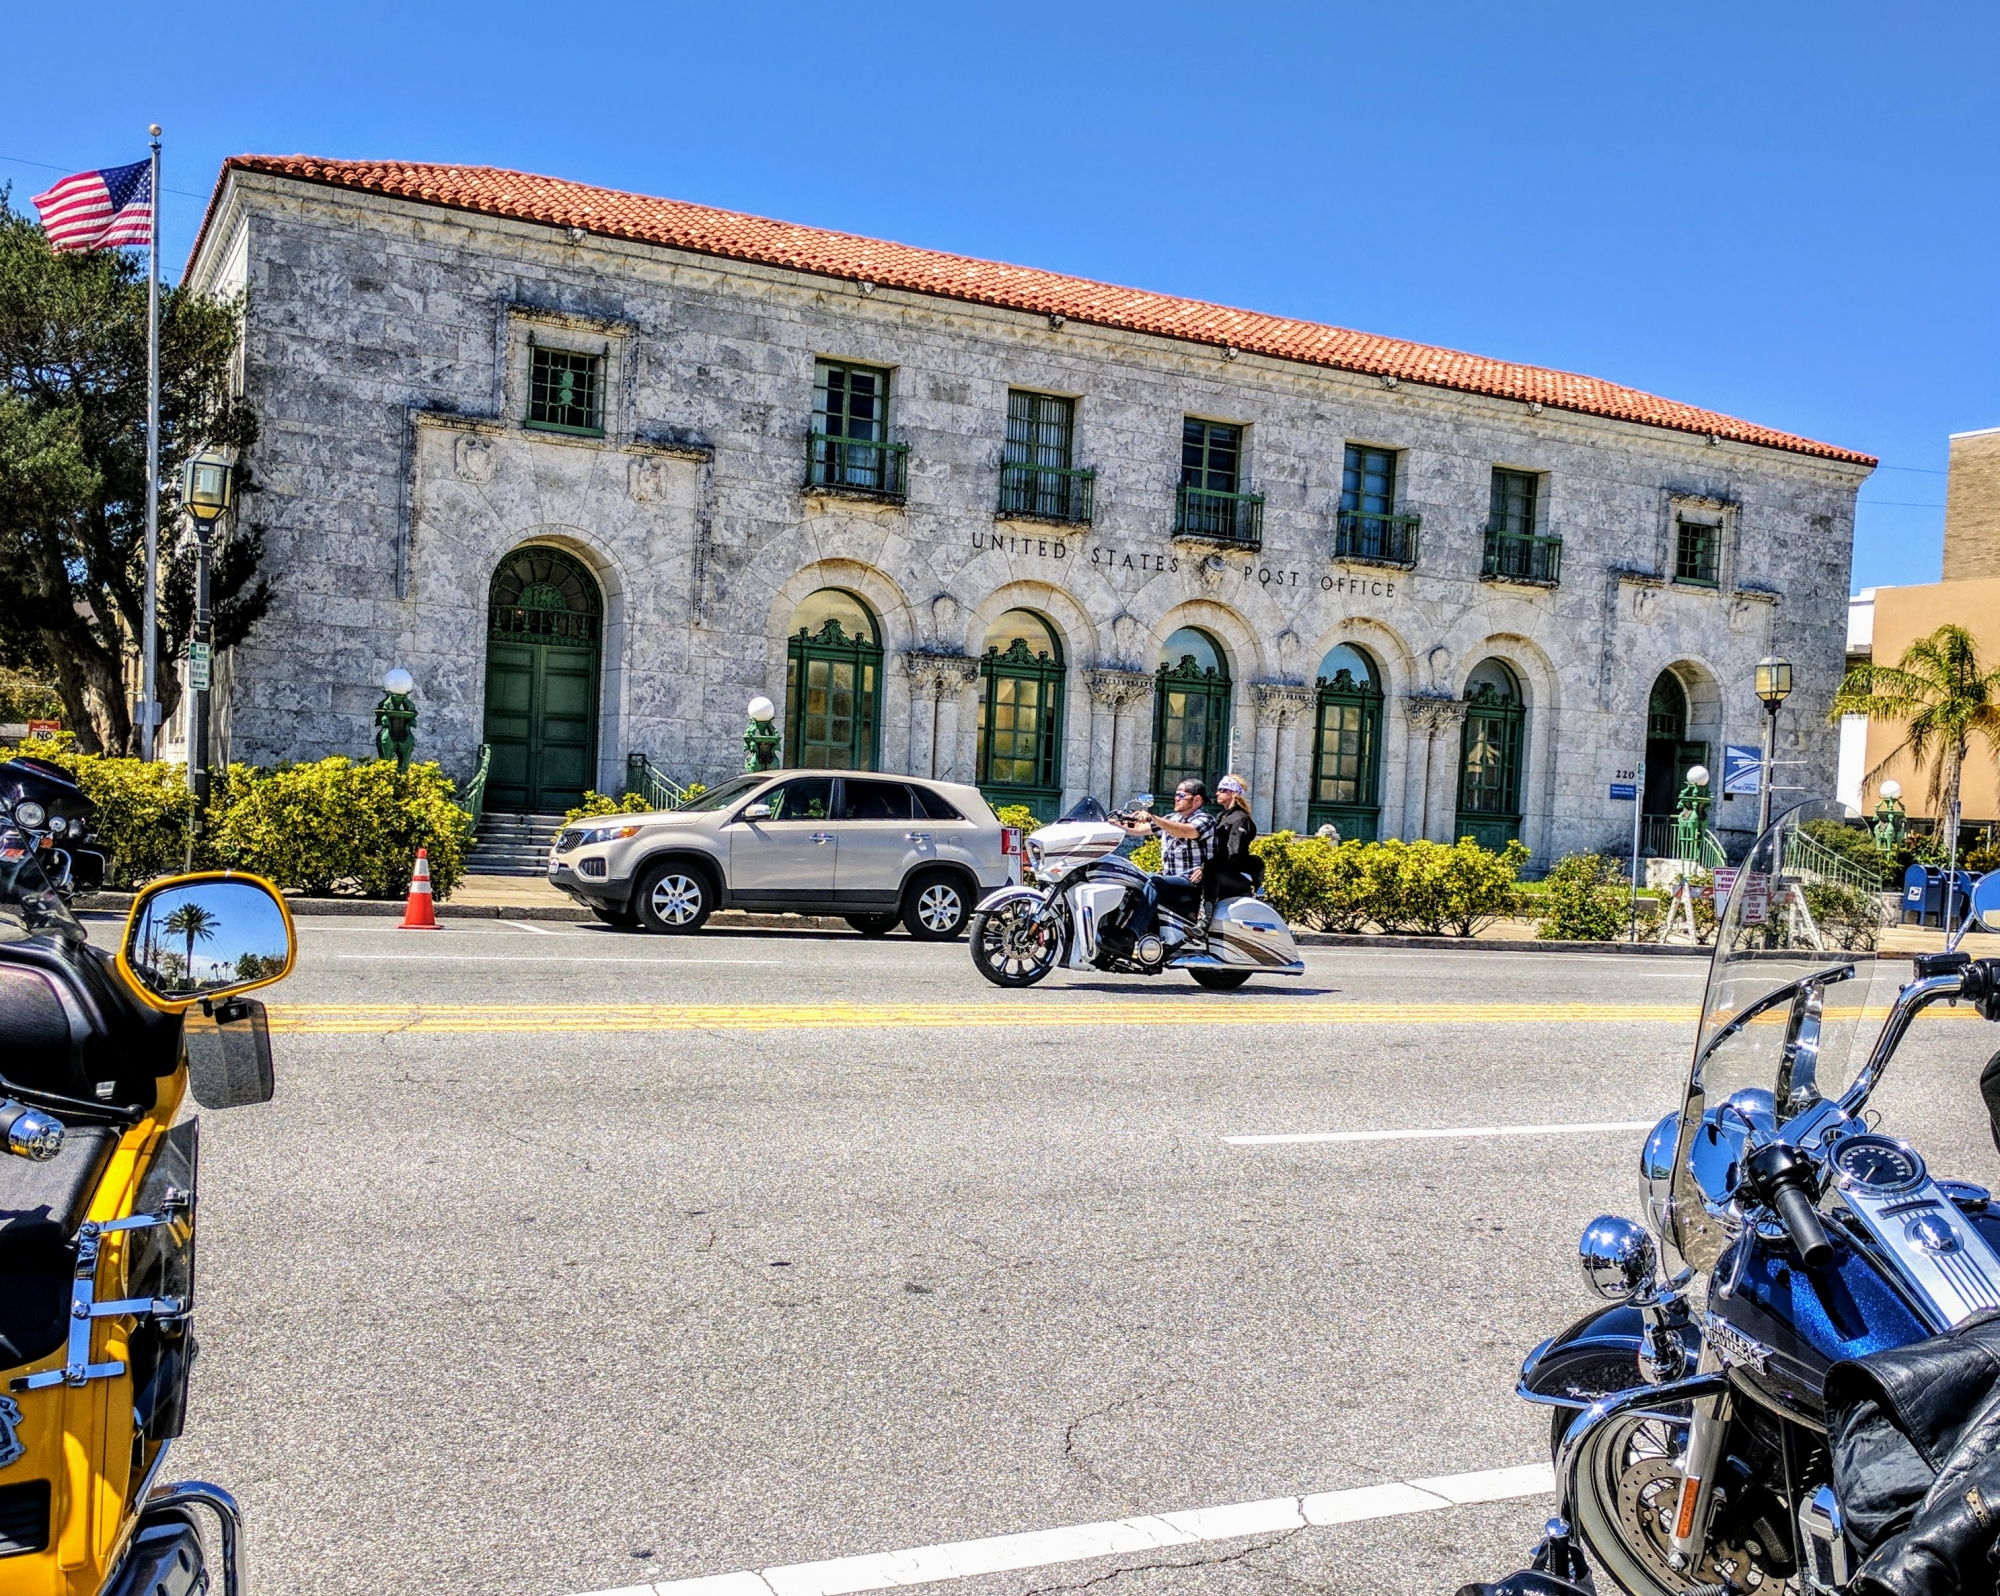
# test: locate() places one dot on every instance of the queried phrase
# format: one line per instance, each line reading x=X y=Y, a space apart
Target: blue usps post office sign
x=1742 y=768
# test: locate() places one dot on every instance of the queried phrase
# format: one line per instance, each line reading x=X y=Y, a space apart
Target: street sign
x=1742 y=768
x=1625 y=791
x=1756 y=898
x=44 y=728
x=1725 y=881
x=197 y=667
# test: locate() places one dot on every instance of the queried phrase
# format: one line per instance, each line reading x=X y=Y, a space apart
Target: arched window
x=1489 y=772
x=544 y=620
x=1669 y=750
x=833 y=684
x=1347 y=746
x=1021 y=714
x=1190 y=713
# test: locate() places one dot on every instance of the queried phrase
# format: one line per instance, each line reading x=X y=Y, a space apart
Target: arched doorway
x=1669 y=748
x=544 y=633
x=1347 y=746
x=1490 y=751
x=1190 y=712
x=833 y=684
x=1021 y=714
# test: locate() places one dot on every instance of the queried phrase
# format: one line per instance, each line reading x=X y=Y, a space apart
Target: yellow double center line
x=376 y=1019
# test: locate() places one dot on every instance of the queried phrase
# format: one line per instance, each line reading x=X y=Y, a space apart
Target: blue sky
x=1785 y=212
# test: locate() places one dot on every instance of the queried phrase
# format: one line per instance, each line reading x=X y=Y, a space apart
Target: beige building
x=1884 y=621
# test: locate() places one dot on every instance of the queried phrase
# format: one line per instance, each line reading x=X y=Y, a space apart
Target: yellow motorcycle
x=98 y=1209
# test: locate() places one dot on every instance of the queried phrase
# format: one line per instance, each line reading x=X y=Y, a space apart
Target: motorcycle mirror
x=1143 y=801
x=1986 y=901
x=1618 y=1258
x=229 y=1053
x=205 y=937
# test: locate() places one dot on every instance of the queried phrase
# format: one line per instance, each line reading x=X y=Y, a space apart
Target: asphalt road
x=569 y=1261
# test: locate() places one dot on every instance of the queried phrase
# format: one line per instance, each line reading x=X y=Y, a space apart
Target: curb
x=741 y=920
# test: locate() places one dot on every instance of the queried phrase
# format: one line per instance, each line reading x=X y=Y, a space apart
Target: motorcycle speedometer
x=1878 y=1164
x=30 y=814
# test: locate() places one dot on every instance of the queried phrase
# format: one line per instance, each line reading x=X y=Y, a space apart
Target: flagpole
x=148 y=691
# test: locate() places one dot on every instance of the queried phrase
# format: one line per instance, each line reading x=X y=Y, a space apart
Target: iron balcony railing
x=1376 y=539
x=660 y=793
x=1522 y=557
x=1047 y=493
x=1233 y=518
x=858 y=465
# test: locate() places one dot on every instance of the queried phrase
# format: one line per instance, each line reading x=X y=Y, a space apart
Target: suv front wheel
x=674 y=898
x=936 y=907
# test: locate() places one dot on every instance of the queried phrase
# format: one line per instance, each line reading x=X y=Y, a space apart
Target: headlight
x=31 y=814
x=605 y=834
x=1034 y=851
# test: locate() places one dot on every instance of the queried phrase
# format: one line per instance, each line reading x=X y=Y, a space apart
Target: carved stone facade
x=388 y=354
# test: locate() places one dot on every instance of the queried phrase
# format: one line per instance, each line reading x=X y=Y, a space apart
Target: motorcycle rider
x=1187 y=838
x=1227 y=874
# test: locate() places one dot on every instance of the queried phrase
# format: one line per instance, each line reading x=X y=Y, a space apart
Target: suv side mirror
x=203 y=937
x=755 y=812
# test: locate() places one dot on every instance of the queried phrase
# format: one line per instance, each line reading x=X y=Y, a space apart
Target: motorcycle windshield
x=29 y=906
x=1786 y=1018
x=1086 y=808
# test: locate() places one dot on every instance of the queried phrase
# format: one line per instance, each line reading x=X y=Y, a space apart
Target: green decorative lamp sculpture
x=1691 y=815
x=396 y=718
x=1890 y=817
x=761 y=742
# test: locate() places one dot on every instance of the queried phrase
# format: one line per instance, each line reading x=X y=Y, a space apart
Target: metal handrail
x=831 y=463
x=1233 y=518
x=660 y=792
x=1533 y=557
x=1659 y=838
x=475 y=789
x=1049 y=493
x=1807 y=854
x=1376 y=538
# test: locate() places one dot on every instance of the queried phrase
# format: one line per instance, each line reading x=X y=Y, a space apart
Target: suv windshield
x=722 y=797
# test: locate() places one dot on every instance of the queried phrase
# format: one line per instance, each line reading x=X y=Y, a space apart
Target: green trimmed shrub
x=1846 y=916
x=1581 y=903
x=597 y=803
x=1018 y=815
x=1147 y=856
x=340 y=826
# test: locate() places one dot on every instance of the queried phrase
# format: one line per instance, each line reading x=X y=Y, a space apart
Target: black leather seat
x=1183 y=897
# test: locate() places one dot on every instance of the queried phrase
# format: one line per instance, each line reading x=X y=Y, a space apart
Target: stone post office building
x=600 y=468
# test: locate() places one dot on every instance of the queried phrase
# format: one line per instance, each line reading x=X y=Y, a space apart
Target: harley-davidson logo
x=11 y=1449
x=1732 y=1345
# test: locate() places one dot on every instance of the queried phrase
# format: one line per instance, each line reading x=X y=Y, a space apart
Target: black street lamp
x=1774 y=686
x=206 y=494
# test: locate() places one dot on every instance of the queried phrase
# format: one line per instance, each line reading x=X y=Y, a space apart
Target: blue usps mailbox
x=1923 y=895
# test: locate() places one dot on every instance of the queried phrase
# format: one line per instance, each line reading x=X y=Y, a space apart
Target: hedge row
x=334 y=825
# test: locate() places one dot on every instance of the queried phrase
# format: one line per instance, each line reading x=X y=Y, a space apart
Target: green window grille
x=1666 y=709
x=1038 y=475
x=1696 y=547
x=849 y=445
x=1347 y=758
x=1367 y=528
x=565 y=390
x=1514 y=507
x=1522 y=557
x=833 y=699
x=1190 y=725
x=540 y=594
x=1489 y=781
x=1021 y=727
x=1210 y=503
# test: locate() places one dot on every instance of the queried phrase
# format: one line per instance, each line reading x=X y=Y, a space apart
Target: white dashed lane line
x=999 y=1554
x=1463 y=1132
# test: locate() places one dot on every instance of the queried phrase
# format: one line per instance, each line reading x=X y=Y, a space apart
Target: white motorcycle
x=1075 y=909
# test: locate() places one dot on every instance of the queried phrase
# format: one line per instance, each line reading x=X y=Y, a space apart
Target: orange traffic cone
x=418 y=915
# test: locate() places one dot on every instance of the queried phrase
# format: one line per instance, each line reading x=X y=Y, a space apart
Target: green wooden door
x=542 y=647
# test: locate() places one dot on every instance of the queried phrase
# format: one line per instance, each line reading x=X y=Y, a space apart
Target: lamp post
x=1889 y=818
x=205 y=494
x=395 y=718
x=1690 y=814
x=760 y=742
x=1774 y=686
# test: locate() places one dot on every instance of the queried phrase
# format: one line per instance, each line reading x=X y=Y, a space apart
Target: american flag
x=96 y=210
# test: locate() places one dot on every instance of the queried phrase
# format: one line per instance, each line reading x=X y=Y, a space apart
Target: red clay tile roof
x=700 y=230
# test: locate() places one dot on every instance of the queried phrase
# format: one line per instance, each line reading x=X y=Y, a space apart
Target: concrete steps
x=513 y=845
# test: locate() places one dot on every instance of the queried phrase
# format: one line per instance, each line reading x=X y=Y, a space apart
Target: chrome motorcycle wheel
x=1013 y=945
x=1627 y=1491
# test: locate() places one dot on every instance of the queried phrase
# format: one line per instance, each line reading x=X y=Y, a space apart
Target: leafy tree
x=73 y=473
x=1945 y=696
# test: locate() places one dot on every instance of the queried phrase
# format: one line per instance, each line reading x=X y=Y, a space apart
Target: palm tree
x=1945 y=697
x=195 y=923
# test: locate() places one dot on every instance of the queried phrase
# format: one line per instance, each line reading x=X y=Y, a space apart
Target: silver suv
x=872 y=849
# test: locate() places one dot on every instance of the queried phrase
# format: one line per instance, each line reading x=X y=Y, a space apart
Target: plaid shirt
x=1182 y=856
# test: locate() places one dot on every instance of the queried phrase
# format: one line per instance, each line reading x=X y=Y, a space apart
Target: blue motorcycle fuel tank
x=1802 y=1321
